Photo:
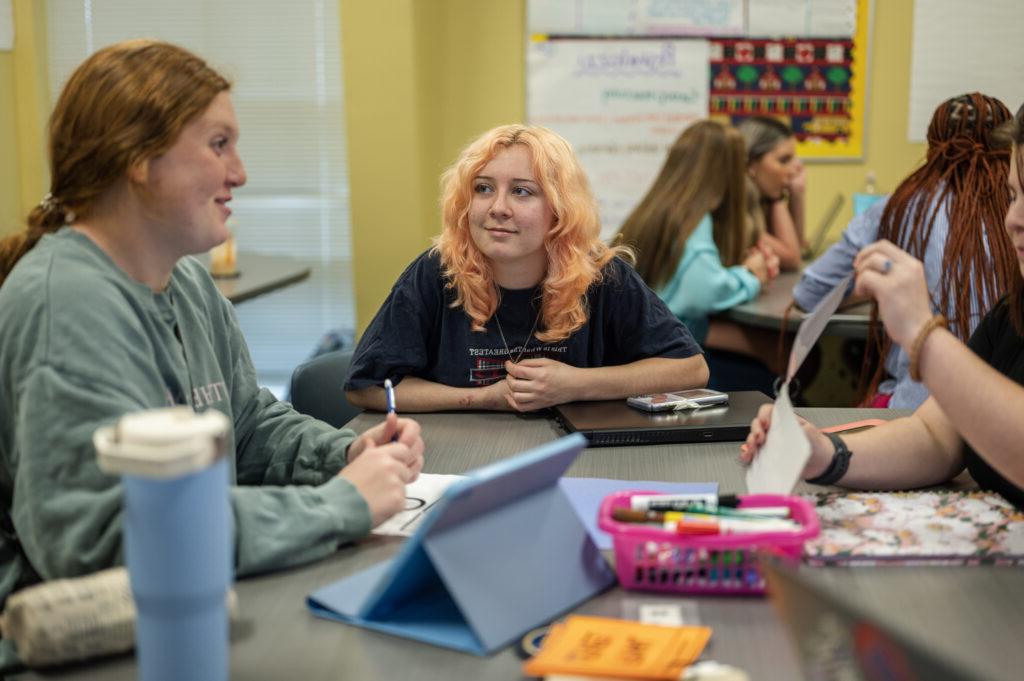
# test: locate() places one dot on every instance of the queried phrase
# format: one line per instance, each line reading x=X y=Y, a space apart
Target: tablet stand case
x=502 y=553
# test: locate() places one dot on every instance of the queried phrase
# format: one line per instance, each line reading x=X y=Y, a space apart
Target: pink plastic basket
x=653 y=559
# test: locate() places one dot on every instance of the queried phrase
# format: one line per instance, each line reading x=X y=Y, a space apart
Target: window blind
x=284 y=60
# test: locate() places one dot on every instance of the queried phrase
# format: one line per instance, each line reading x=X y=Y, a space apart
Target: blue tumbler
x=178 y=537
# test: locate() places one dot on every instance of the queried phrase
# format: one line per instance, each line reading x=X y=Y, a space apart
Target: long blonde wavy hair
x=576 y=254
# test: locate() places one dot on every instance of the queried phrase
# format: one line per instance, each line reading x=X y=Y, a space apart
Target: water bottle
x=863 y=200
x=177 y=537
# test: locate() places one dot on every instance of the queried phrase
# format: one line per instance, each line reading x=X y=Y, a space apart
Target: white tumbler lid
x=161 y=443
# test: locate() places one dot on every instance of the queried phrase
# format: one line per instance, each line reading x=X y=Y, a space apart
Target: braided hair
x=965 y=173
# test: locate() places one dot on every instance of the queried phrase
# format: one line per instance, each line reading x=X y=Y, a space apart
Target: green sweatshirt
x=81 y=344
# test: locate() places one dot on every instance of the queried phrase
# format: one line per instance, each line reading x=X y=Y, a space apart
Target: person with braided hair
x=971 y=420
x=948 y=213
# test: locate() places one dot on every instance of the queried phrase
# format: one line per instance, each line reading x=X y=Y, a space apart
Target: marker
x=389 y=397
x=726 y=526
x=666 y=502
x=747 y=512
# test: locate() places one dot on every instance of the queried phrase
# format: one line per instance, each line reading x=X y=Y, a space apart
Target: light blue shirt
x=702 y=285
x=837 y=262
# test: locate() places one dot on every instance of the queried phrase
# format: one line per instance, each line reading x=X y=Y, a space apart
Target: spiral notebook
x=913 y=528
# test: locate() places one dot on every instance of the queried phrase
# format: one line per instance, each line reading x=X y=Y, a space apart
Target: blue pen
x=389 y=396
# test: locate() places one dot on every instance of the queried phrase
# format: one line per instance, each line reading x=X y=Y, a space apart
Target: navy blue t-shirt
x=417 y=333
x=997 y=342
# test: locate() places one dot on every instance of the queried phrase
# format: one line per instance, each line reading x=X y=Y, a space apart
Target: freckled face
x=1014 y=222
x=509 y=215
x=773 y=172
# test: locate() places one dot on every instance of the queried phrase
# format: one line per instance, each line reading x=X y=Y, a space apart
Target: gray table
x=259 y=275
x=768 y=311
x=972 y=612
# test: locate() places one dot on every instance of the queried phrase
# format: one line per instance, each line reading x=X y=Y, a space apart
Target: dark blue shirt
x=417 y=332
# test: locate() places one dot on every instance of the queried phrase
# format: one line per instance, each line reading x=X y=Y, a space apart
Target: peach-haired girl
x=520 y=305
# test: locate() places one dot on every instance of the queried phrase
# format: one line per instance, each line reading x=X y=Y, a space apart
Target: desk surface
x=972 y=612
x=769 y=309
x=260 y=274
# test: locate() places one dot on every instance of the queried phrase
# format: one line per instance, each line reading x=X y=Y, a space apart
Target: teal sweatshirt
x=702 y=285
x=81 y=344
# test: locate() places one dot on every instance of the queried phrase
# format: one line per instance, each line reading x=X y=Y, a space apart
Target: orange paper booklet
x=601 y=646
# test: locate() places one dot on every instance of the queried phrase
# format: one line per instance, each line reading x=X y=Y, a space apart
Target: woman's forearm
x=418 y=395
x=782 y=237
x=650 y=375
x=919 y=450
x=982 y=404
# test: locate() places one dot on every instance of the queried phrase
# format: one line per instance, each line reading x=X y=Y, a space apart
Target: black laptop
x=613 y=423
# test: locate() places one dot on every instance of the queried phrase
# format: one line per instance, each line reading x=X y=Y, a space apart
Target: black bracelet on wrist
x=839 y=464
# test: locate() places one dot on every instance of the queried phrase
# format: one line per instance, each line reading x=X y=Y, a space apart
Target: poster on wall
x=802 y=61
x=815 y=83
x=806 y=82
x=621 y=104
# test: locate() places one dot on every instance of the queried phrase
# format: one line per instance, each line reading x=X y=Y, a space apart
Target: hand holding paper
x=786 y=448
x=784 y=454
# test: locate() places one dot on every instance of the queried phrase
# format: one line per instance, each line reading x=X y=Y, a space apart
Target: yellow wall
x=887 y=152
x=24 y=105
x=421 y=79
x=10 y=187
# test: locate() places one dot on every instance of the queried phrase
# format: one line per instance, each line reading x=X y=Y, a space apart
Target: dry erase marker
x=389 y=396
x=749 y=512
x=663 y=502
x=689 y=525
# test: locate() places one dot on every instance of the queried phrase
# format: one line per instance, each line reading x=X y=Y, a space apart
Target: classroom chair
x=316 y=388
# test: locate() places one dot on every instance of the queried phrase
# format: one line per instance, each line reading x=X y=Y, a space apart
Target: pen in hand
x=389 y=396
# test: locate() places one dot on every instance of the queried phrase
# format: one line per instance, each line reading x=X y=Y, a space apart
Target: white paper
x=802 y=18
x=813 y=324
x=420 y=497
x=6 y=26
x=664 y=614
x=776 y=469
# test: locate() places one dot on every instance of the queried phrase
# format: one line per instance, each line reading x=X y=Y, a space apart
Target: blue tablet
x=501 y=553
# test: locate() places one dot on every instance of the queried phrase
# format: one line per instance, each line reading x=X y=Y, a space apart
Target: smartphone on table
x=685 y=399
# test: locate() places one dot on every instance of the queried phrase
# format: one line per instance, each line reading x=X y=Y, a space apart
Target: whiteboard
x=621 y=104
x=962 y=47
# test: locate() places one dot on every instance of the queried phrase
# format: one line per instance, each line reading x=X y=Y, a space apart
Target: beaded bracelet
x=915 y=350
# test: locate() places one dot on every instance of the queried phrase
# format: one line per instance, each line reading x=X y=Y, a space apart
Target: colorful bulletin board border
x=815 y=85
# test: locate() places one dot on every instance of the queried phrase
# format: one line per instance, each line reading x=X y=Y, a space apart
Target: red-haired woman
x=972 y=418
x=103 y=314
x=948 y=214
x=520 y=305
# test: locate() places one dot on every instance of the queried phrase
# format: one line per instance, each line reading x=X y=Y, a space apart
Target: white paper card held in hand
x=813 y=324
x=776 y=469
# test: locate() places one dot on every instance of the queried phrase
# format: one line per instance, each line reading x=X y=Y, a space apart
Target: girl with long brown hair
x=948 y=214
x=695 y=244
x=520 y=305
x=103 y=314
